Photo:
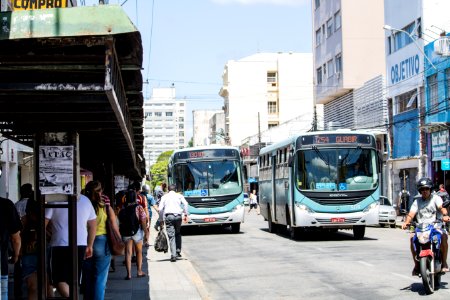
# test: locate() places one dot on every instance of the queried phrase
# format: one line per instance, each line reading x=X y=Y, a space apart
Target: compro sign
x=37 y=4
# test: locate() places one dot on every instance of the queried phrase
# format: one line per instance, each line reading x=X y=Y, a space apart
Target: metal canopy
x=75 y=69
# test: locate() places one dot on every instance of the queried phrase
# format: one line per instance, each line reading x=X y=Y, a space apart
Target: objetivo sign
x=405 y=69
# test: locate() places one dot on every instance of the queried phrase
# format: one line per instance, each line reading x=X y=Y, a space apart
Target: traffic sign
x=445 y=164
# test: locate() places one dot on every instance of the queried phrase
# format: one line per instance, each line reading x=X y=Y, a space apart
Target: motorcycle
x=427 y=244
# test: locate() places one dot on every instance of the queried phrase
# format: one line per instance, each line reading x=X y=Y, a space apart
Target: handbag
x=161 y=244
x=115 y=242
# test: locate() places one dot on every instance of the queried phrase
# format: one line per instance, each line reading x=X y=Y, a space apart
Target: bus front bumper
x=230 y=217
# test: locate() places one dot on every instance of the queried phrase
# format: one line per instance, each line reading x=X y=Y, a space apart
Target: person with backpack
x=133 y=228
x=171 y=210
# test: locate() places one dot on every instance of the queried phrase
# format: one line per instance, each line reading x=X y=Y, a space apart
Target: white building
x=348 y=52
x=217 y=128
x=16 y=168
x=201 y=129
x=264 y=90
x=164 y=126
x=409 y=24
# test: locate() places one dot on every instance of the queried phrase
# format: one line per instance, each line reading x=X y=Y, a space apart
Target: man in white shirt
x=60 y=255
x=171 y=209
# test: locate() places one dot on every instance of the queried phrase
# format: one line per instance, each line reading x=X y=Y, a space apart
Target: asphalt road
x=256 y=264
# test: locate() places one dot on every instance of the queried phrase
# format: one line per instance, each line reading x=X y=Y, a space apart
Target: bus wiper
x=321 y=156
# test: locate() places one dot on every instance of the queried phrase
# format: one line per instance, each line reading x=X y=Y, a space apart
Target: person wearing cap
x=425 y=209
x=173 y=210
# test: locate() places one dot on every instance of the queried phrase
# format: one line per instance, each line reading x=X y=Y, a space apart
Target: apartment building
x=164 y=124
x=348 y=51
x=264 y=90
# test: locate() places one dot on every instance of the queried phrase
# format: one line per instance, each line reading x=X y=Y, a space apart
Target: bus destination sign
x=336 y=139
x=208 y=153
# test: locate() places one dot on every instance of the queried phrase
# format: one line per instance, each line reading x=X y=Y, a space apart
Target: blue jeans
x=173 y=228
x=95 y=270
x=4 y=287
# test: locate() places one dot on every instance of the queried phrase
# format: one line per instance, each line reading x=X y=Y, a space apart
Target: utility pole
x=259 y=133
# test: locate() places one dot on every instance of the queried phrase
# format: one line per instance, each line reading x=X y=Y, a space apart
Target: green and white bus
x=309 y=182
x=210 y=178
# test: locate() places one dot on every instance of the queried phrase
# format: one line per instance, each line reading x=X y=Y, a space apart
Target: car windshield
x=208 y=178
x=336 y=169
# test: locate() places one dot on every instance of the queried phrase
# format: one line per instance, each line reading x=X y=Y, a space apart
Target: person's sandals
x=415 y=272
x=141 y=275
x=444 y=268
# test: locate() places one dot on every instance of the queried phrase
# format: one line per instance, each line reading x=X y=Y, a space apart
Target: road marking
x=365 y=263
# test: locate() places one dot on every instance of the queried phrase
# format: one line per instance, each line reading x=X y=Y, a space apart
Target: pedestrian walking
x=171 y=210
x=10 y=227
x=133 y=228
x=95 y=268
x=61 y=260
x=253 y=201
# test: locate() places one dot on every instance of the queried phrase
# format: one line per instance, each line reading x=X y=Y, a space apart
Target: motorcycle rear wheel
x=427 y=277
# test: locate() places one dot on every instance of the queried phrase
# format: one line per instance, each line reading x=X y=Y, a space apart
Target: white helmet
x=146 y=188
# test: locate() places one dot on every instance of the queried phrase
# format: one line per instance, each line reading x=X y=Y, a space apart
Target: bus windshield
x=340 y=169
x=208 y=178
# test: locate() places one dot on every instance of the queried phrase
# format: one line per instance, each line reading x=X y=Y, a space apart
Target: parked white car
x=246 y=200
x=387 y=213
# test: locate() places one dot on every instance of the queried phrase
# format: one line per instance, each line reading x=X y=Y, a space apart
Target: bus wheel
x=235 y=227
x=359 y=231
x=272 y=226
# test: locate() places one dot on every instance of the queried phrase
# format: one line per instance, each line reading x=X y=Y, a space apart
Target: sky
x=188 y=42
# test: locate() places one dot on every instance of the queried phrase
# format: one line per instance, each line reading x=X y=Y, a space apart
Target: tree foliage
x=159 y=170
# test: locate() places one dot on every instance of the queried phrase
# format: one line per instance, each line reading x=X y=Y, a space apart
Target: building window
x=338 y=62
x=169 y=114
x=433 y=92
x=181 y=104
x=317 y=3
x=181 y=126
x=330 y=68
x=329 y=27
x=402 y=39
x=272 y=124
x=406 y=101
x=158 y=114
x=272 y=107
x=148 y=114
x=181 y=119
x=318 y=37
x=319 y=75
x=337 y=20
x=271 y=77
x=181 y=133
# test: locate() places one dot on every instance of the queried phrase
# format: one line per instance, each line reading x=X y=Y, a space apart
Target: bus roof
x=209 y=147
x=292 y=140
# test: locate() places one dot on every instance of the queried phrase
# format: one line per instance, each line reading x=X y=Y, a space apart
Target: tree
x=159 y=170
x=191 y=142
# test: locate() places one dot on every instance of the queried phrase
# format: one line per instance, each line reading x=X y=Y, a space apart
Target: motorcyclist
x=425 y=208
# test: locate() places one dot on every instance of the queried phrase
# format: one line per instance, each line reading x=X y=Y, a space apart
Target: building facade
x=264 y=90
x=408 y=25
x=202 y=134
x=164 y=124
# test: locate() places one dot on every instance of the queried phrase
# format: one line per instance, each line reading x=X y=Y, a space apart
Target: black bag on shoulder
x=161 y=244
x=129 y=222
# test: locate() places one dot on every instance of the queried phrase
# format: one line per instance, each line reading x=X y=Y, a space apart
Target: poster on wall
x=439 y=146
x=56 y=170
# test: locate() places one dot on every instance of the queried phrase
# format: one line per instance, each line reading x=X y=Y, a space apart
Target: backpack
x=129 y=222
x=161 y=242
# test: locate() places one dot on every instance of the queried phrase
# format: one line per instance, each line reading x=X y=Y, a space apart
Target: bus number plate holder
x=337 y=220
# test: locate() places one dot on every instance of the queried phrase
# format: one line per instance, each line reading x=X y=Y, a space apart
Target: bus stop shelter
x=75 y=70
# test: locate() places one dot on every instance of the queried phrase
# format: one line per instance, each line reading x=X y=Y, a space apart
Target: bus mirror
x=291 y=161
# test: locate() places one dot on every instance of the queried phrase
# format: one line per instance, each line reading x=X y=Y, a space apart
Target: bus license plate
x=337 y=220
x=210 y=219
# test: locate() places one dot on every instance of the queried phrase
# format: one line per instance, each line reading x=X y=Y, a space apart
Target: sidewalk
x=166 y=280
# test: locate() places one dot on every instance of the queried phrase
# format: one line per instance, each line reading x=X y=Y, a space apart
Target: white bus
x=210 y=178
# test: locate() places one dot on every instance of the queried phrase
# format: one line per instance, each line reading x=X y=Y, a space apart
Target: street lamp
x=392 y=30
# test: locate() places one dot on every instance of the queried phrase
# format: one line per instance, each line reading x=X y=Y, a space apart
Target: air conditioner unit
x=442 y=46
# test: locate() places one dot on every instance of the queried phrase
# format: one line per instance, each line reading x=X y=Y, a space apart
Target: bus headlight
x=304 y=208
x=371 y=206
